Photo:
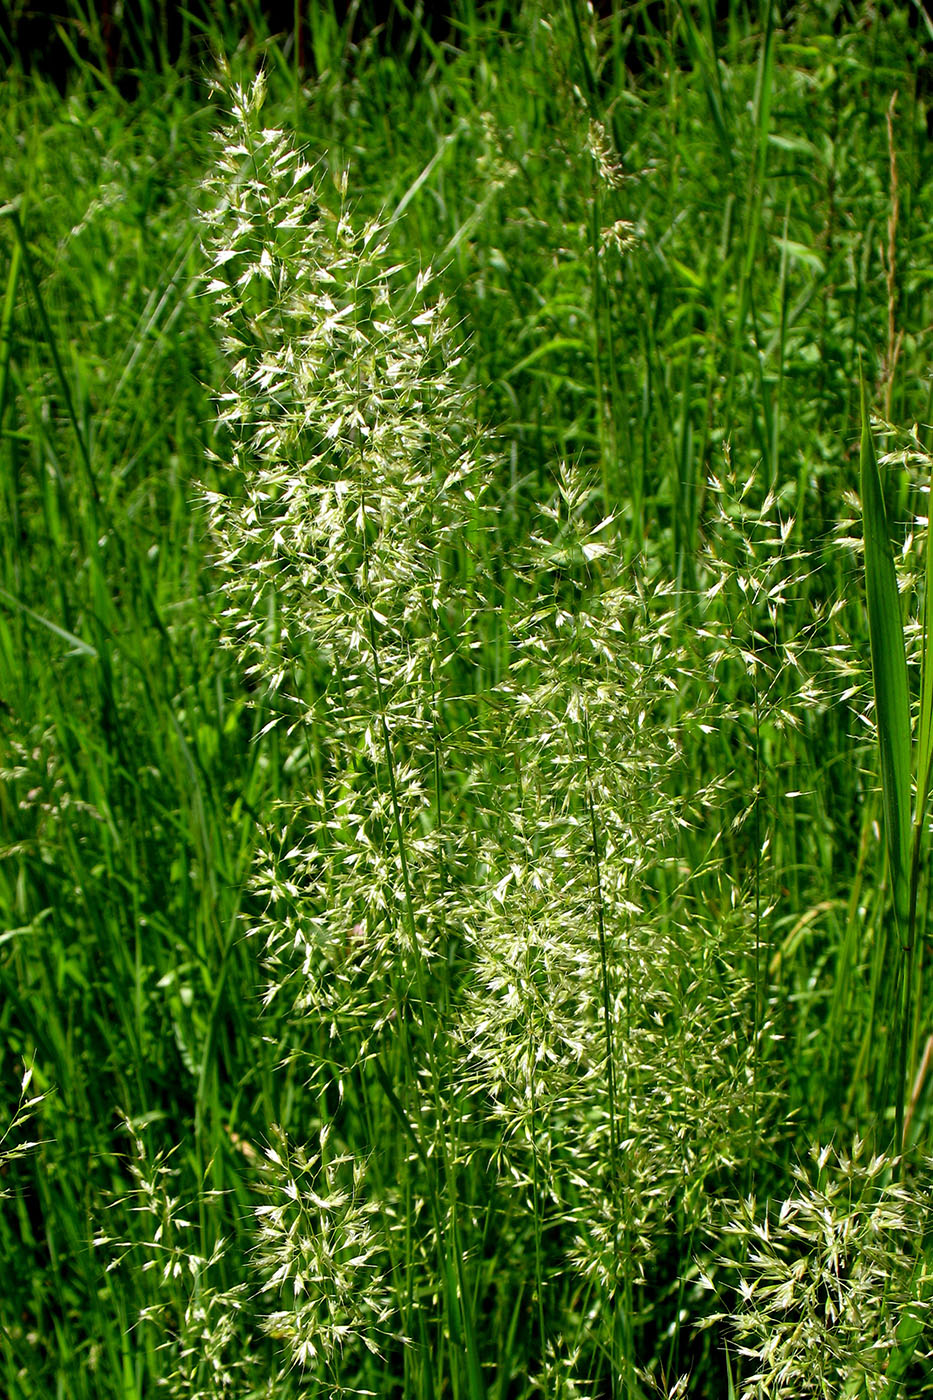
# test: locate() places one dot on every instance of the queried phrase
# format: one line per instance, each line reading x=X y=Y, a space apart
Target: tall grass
x=448 y=875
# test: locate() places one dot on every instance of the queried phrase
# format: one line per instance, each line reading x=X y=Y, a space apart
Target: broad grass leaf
x=888 y=667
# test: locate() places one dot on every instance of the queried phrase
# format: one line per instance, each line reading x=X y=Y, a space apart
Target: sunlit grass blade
x=889 y=670
x=6 y=324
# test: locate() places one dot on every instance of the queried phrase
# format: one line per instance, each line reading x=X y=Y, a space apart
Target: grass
x=465 y=707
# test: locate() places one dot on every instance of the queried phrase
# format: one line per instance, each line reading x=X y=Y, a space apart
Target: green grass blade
x=6 y=325
x=925 y=731
x=78 y=645
x=889 y=669
x=84 y=451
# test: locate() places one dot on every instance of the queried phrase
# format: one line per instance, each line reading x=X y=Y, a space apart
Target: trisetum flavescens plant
x=474 y=914
x=342 y=551
x=346 y=549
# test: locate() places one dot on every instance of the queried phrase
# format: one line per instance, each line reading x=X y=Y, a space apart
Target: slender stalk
x=460 y=1301
x=622 y=1366
x=536 y=1196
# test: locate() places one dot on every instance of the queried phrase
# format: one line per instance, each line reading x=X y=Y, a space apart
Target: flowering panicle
x=834 y=1294
x=356 y=491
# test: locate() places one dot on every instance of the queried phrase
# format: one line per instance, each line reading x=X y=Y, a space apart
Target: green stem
x=461 y=1311
x=536 y=1188
x=620 y=1233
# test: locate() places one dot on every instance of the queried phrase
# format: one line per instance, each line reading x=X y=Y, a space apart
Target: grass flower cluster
x=835 y=1287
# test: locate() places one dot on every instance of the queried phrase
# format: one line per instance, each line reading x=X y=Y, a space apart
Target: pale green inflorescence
x=834 y=1293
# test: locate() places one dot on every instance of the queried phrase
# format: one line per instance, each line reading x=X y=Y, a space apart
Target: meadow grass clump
x=395 y=931
x=445 y=876
x=493 y=980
